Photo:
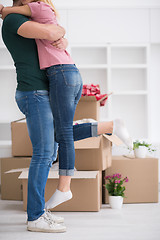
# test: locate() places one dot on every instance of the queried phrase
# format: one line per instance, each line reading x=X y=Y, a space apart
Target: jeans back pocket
x=72 y=78
x=22 y=104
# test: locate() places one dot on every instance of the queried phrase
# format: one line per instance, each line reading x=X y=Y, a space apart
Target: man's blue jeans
x=36 y=107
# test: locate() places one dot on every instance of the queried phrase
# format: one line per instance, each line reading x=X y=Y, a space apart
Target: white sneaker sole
x=55 y=221
x=46 y=230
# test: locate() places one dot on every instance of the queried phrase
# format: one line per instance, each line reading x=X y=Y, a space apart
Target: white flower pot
x=140 y=152
x=116 y=202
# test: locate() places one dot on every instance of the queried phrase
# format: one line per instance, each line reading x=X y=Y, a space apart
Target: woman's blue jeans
x=65 y=86
x=36 y=107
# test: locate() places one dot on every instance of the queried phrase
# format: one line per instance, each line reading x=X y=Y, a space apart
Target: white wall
x=109 y=3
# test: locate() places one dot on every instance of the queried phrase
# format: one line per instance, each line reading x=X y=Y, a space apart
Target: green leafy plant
x=114 y=185
x=138 y=143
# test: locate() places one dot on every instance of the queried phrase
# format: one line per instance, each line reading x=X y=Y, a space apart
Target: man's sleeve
x=13 y=21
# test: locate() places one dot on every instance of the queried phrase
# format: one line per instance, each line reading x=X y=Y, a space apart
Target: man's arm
x=36 y=30
x=24 y=10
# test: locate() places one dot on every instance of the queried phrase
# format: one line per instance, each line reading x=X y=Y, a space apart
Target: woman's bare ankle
x=105 y=127
x=63 y=189
x=111 y=131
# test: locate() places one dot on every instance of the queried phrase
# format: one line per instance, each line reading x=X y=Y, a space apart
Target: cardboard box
x=95 y=154
x=89 y=149
x=86 y=188
x=21 y=143
x=88 y=107
x=11 y=187
x=143 y=178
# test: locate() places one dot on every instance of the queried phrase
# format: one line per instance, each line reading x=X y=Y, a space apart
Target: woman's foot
x=120 y=130
x=57 y=198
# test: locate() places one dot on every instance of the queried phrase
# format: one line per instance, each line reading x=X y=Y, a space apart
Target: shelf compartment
x=128 y=80
x=130 y=93
x=129 y=66
x=7 y=67
x=133 y=109
x=5 y=130
x=5 y=59
x=1 y=41
x=89 y=55
x=128 y=55
x=8 y=87
x=5 y=143
x=92 y=66
x=104 y=111
x=95 y=76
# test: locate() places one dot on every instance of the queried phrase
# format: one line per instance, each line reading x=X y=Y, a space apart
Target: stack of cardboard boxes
x=93 y=155
x=93 y=160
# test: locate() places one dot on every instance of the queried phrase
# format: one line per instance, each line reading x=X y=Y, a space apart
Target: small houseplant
x=115 y=189
x=140 y=148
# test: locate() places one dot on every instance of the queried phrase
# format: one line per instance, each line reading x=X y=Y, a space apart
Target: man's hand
x=55 y=31
x=62 y=43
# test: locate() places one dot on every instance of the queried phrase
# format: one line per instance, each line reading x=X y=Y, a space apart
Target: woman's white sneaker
x=45 y=224
x=120 y=130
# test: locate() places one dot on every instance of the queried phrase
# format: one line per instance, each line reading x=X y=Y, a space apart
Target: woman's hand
x=1 y=8
x=62 y=43
x=4 y=11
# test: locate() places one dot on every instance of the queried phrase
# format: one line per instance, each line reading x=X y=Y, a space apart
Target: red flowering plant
x=114 y=185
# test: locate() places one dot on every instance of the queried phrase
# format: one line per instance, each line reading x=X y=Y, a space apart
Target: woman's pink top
x=48 y=54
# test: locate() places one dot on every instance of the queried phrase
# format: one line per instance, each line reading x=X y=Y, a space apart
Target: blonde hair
x=49 y=2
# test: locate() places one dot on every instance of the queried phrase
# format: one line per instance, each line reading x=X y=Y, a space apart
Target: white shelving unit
x=8 y=107
x=118 y=68
x=123 y=70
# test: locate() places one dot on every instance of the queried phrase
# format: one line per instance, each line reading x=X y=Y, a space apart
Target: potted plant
x=116 y=190
x=141 y=147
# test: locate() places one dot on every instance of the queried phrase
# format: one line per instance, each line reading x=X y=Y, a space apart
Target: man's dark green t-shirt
x=24 y=54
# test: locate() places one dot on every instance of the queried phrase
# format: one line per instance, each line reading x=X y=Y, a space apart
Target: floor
x=132 y=222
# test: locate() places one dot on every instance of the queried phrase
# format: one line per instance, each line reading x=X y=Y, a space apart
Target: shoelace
x=48 y=220
x=49 y=214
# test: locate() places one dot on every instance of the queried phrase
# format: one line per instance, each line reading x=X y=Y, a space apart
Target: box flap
x=94 y=142
x=77 y=174
x=114 y=139
x=17 y=170
x=23 y=175
x=55 y=174
x=102 y=98
x=88 y=143
x=93 y=98
x=19 y=120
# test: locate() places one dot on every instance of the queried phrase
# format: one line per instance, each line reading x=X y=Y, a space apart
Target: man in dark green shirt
x=24 y=50
x=32 y=98
x=24 y=54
